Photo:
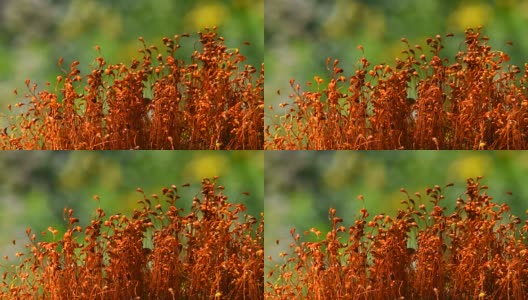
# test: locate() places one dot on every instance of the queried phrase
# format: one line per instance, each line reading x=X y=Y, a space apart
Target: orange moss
x=477 y=251
x=157 y=253
x=208 y=103
x=471 y=103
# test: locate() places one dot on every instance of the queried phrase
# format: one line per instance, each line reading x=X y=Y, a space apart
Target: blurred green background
x=35 y=34
x=37 y=185
x=301 y=35
x=301 y=186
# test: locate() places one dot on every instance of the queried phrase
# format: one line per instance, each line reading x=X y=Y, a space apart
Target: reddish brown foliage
x=478 y=251
x=207 y=103
x=471 y=103
x=158 y=253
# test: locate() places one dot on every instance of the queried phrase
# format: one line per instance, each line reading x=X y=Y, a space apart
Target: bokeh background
x=301 y=34
x=301 y=186
x=35 y=34
x=36 y=186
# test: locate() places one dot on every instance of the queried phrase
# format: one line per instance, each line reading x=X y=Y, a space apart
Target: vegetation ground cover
x=214 y=251
x=424 y=251
x=424 y=101
x=212 y=101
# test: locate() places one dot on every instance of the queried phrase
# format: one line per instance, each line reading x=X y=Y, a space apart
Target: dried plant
x=476 y=252
x=207 y=103
x=474 y=102
x=157 y=253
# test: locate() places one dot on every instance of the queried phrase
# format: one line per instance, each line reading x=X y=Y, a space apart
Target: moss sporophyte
x=159 y=252
x=211 y=101
x=423 y=251
x=422 y=101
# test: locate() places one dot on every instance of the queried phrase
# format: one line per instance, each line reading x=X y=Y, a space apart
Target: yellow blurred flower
x=470 y=166
x=207 y=15
x=471 y=15
x=207 y=166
